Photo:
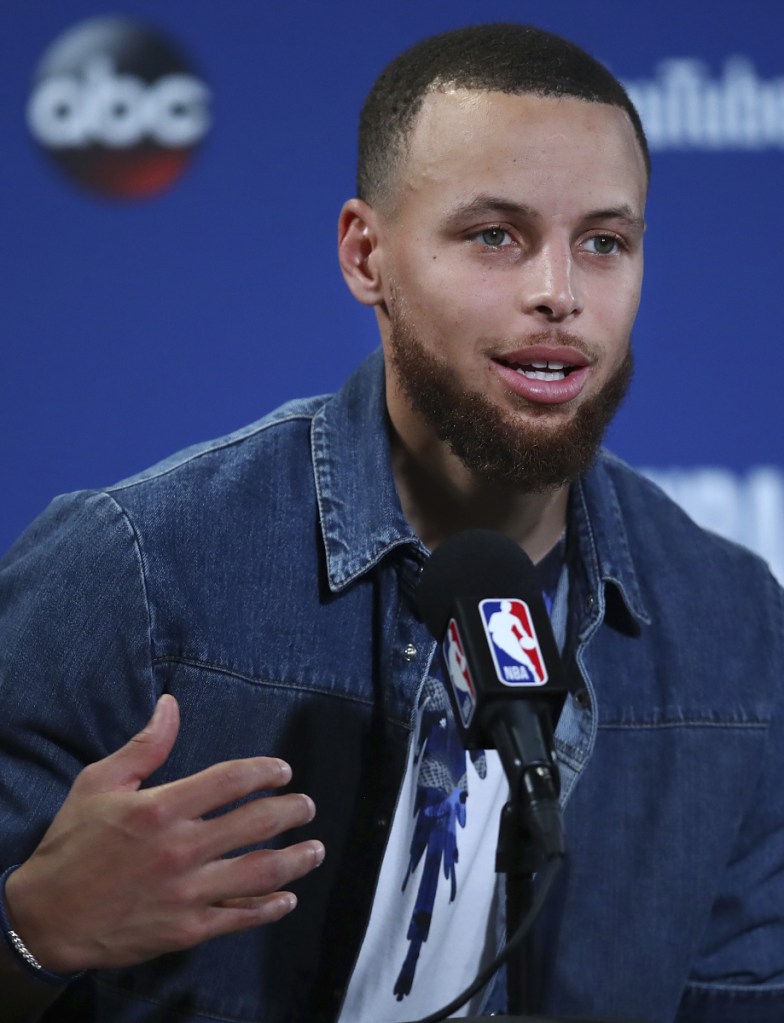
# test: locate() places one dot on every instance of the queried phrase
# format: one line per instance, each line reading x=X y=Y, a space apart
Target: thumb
x=132 y=763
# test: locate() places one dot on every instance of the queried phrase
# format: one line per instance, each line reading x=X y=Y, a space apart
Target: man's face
x=512 y=263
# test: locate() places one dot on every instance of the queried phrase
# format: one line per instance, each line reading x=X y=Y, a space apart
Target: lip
x=544 y=392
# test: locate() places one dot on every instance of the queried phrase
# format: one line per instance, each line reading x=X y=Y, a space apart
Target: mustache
x=495 y=348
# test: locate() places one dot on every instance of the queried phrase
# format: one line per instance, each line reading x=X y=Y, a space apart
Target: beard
x=551 y=448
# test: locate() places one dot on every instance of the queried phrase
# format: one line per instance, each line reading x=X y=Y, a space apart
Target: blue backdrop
x=133 y=328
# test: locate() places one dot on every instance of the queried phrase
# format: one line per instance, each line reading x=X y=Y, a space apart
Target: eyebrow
x=486 y=203
x=624 y=213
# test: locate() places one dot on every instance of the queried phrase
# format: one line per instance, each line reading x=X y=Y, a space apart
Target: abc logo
x=117 y=108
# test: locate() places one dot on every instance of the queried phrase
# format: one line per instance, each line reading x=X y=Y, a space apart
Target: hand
x=125 y=874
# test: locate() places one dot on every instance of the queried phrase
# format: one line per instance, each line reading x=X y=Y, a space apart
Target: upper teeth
x=543 y=370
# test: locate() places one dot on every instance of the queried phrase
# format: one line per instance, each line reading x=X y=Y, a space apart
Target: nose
x=550 y=287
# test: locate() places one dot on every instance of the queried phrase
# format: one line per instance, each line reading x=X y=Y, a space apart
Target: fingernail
x=288 y=900
x=284 y=769
x=311 y=807
x=319 y=853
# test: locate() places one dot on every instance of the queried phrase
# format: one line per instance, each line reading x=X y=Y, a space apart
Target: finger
x=255 y=902
x=249 y=913
x=254 y=822
x=260 y=873
x=212 y=921
x=222 y=784
x=130 y=765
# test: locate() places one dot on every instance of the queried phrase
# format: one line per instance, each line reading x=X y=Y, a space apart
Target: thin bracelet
x=24 y=951
x=19 y=948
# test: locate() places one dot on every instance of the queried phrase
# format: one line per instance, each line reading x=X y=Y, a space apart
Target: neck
x=440 y=496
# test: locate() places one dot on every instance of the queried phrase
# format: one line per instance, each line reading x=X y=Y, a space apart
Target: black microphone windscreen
x=476 y=563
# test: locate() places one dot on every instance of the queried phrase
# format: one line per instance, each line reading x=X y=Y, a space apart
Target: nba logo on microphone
x=459 y=675
x=513 y=642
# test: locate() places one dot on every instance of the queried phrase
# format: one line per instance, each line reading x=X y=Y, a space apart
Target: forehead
x=467 y=139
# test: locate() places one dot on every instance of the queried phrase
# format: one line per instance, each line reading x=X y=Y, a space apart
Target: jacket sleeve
x=739 y=976
x=75 y=675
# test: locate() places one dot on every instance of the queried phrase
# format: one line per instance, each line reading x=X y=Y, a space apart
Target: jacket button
x=410 y=652
x=582 y=699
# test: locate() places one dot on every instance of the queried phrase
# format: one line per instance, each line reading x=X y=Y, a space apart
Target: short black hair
x=508 y=58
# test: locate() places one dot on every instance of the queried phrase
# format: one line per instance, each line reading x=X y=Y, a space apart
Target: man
x=265 y=583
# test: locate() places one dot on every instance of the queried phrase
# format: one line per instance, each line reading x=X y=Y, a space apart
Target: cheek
x=617 y=306
x=475 y=303
x=443 y=301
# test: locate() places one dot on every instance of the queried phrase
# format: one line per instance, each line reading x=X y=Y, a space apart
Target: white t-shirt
x=433 y=922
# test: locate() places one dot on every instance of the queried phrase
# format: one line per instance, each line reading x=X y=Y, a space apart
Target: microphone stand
x=530 y=831
x=520 y=854
x=529 y=834
x=529 y=840
x=518 y=858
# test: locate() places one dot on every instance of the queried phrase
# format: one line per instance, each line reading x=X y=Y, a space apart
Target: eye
x=493 y=237
x=604 y=244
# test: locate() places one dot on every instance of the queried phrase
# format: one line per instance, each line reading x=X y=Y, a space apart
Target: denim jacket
x=267 y=581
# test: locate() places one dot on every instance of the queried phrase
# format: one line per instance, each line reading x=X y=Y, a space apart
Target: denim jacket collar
x=360 y=512
x=361 y=516
x=598 y=523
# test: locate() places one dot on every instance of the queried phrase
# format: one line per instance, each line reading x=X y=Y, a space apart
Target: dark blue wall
x=133 y=328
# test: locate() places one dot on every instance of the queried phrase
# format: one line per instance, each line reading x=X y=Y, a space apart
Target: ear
x=359 y=251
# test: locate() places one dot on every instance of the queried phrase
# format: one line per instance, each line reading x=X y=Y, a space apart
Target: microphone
x=480 y=597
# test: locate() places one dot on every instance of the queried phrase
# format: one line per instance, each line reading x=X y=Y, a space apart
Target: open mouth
x=540 y=369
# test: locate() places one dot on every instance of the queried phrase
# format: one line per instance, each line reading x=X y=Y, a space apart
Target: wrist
x=22 y=934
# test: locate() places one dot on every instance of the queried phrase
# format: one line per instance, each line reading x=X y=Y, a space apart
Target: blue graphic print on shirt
x=439 y=807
